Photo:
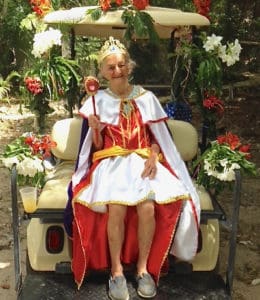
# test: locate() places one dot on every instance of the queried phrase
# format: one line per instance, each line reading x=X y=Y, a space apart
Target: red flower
x=105 y=4
x=108 y=4
x=212 y=102
x=45 y=145
x=36 y=147
x=230 y=139
x=202 y=7
x=37 y=10
x=40 y=146
x=40 y=7
x=140 y=4
x=33 y=85
x=29 y=140
x=245 y=149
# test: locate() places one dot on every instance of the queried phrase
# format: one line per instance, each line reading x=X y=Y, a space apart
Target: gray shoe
x=117 y=289
x=146 y=286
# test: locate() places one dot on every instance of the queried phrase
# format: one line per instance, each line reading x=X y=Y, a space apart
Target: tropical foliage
x=6 y=85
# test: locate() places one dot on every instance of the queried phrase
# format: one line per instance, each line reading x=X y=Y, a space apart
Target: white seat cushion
x=66 y=133
x=54 y=194
x=185 y=137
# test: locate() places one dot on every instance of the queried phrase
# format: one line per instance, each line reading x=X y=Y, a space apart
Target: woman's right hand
x=94 y=122
x=95 y=125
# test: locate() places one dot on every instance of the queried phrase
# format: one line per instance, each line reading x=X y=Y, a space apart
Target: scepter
x=91 y=87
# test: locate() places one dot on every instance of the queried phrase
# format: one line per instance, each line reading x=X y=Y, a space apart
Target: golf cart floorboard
x=194 y=286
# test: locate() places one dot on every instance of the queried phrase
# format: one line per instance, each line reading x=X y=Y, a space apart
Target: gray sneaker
x=146 y=286
x=117 y=289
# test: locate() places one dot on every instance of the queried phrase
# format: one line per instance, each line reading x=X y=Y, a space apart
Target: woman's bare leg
x=146 y=229
x=116 y=235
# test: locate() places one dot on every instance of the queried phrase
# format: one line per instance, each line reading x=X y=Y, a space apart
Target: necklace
x=125 y=95
x=132 y=94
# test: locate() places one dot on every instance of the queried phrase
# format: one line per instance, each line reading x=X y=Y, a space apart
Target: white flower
x=230 y=54
x=9 y=161
x=223 y=162
x=212 y=42
x=236 y=48
x=227 y=173
x=210 y=170
x=44 y=41
x=30 y=166
x=222 y=50
x=228 y=59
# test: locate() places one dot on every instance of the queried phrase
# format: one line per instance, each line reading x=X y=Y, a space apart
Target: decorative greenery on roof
x=138 y=22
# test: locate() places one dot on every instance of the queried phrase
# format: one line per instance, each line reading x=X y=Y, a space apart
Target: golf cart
x=48 y=261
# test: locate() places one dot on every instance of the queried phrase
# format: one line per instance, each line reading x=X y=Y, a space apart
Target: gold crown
x=111 y=46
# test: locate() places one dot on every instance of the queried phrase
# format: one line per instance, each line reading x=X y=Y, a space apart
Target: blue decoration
x=178 y=110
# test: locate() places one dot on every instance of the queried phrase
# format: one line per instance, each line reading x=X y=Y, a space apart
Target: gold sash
x=119 y=151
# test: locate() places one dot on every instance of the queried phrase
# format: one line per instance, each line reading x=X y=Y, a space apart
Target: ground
x=242 y=117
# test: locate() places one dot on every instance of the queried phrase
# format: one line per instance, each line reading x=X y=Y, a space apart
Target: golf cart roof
x=111 y=23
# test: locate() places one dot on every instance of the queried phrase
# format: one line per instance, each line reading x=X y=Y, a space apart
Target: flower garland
x=28 y=153
x=216 y=166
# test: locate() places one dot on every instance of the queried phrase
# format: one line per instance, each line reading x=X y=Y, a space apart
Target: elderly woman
x=132 y=198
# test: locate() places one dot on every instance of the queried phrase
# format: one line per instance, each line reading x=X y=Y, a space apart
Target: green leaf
x=149 y=23
x=139 y=23
x=95 y=13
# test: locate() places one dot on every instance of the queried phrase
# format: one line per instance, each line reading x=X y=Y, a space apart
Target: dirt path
x=242 y=117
